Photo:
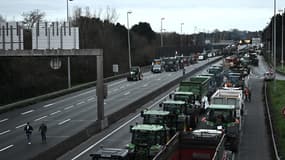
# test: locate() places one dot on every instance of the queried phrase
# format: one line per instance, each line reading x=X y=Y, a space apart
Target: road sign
x=55 y=63
x=115 y=68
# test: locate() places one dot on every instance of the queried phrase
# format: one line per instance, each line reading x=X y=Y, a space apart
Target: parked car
x=269 y=76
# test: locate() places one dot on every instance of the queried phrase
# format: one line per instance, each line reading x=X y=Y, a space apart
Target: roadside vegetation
x=281 y=69
x=278 y=103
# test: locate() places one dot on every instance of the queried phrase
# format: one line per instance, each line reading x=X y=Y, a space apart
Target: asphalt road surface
x=118 y=135
x=254 y=144
x=69 y=114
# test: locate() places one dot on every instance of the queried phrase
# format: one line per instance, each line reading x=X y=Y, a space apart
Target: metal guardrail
x=276 y=153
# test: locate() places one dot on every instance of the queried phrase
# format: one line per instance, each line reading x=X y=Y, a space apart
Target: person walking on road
x=28 y=129
x=43 y=130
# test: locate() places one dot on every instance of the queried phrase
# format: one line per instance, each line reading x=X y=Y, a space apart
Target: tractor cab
x=147 y=140
x=135 y=73
x=155 y=117
x=223 y=117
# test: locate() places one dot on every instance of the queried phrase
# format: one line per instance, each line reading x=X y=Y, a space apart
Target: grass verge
x=277 y=96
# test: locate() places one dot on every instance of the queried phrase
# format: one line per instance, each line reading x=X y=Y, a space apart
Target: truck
x=199 y=86
x=224 y=117
x=147 y=140
x=157 y=66
x=234 y=79
x=230 y=96
x=212 y=82
x=171 y=64
x=218 y=72
x=135 y=73
x=202 y=144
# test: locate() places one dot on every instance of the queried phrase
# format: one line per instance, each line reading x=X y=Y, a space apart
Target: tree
x=144 y=29
x=111 y=15
x=31 y=17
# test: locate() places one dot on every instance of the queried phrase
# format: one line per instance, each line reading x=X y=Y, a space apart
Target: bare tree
x=98 y=14
x=87 y=12
x=77 y=13
x=31 y=17
x=111 y=15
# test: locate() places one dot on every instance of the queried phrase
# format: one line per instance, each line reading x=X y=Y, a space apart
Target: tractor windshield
x=153 y=119
x=173 y=108
x=142 y=137
x=220 y=115
x=185 y=98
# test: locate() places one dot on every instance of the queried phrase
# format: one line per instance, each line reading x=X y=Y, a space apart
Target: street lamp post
x=181 y=25
x=68 y=58
x=282 y=41
x=129 y=41
x=274 y=39
x=161 y=30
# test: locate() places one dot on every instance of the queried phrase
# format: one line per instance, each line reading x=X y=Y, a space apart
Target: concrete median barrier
x=76 y=139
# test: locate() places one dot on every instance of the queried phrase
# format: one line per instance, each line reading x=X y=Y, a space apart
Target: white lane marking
x=40 y=118
x=90 y=99
x=3 y=120
x=158 y=79
x=69 y=107
x=127 y=93
x=116 y=83
x=65 y=121
x=122 y=87
x=93 y=90
x=3 y=149
x=145 y=85
x=20 y=126
x=105 y=103
x=48 y=105
x=54 y=113
x=30 y=111
x=82 y=102
x=2 y=133
x=114 y=131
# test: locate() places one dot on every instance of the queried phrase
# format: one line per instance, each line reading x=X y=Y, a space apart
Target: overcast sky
x=204 y=15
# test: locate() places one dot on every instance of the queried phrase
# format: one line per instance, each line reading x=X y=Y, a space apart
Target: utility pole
x=129 y=41
x=161 y=30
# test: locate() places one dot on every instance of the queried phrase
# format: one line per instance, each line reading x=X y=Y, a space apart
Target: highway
x=254 y=142
x=69 y=114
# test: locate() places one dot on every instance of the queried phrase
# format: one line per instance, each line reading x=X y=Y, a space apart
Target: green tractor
x=135 y=74
x=191 y=108
x=164 y=118
x=185 y=113
x=223 y=117
x=147 y=141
